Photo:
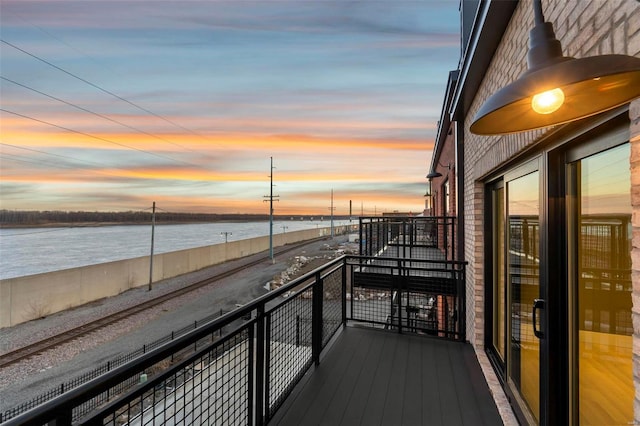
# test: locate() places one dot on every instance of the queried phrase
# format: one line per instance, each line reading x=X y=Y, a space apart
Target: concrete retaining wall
x=34 y=296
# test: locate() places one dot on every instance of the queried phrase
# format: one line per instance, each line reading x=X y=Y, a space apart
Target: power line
x=61 y=166
x=94 y=113
x=102 y=89
x=56 y=165
x=96 y=137
x=27 y=160
x=48 y=34
x=13 y=157
x=53 y=155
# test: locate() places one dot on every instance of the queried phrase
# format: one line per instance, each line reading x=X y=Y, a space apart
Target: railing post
x=405 y=230
x=454 y=242
x=344 y=292
x=412 y=239
x=260 y=366
x=360 y=237
x=316 y=319
x=251 y=377
x=461 y=315
x=267 y=367
x=399 y=285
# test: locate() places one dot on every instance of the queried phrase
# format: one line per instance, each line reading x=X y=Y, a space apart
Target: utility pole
x=153 y=228
x=226 y=235
x=332 y=209
x=271 y=198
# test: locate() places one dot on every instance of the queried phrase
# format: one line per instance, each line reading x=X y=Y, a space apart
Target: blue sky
x=110 y=105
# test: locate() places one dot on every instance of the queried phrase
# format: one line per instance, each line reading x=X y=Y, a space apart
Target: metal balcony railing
x=244 y=376
x=425 y=237
x=408 y=295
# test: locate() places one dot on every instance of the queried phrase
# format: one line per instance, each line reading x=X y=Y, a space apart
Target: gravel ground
x=23 y=381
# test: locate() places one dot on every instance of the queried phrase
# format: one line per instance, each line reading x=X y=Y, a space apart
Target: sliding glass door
x=523 y=278
x=600 y=282
x=514 y=218
x=559 y=275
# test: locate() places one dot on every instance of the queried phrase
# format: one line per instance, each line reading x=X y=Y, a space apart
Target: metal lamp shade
x=590 y=85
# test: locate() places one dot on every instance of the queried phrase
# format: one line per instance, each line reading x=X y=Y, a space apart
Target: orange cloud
x=16 y=132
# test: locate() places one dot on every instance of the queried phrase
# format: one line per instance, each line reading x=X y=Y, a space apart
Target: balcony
x=372 y=377
x=363 y=339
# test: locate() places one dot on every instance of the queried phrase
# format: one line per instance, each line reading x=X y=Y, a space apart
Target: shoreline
x=103 y=224
x=89 y=224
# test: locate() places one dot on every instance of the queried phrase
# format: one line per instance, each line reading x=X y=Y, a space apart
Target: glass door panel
x=602 y=271
x=523 y=255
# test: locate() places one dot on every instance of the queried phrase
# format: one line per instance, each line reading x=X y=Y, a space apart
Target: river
x=27 y=251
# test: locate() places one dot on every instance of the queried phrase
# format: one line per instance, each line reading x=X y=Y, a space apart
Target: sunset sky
x=111 y=105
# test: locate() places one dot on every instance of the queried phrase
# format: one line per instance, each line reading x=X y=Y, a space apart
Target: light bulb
x=547 y=102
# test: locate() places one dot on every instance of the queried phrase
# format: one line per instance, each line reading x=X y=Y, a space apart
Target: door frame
x=553 y=153
x=564 y=382
x=531 y=165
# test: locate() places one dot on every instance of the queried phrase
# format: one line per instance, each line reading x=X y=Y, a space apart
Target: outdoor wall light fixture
x=429 y=194
x=557 y=89
x=430 y=176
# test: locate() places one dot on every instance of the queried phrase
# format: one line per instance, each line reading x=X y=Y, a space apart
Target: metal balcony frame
x=276 y=344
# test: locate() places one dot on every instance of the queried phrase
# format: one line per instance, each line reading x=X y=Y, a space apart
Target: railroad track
x=71 y=334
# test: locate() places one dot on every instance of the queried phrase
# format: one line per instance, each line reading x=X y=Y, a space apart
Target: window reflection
x=524 y=281
x=605 y=378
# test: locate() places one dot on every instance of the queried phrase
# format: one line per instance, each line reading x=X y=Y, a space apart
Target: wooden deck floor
x=374 y=377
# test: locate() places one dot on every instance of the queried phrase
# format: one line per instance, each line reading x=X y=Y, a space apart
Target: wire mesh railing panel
x=245 y=375
x=422 y=312
x=289 y=337
x=416 y=295
x=409 y=237
x=108 y=366
x=375 y=308
x=210 y=388
x=371 y=290
x=331 y=304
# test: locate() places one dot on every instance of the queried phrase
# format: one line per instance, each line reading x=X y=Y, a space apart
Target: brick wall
x=447 y=157
x=585 y=28
x=483 y=154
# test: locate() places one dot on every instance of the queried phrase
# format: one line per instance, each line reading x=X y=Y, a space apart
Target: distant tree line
x=49 y=217
x=22 y=217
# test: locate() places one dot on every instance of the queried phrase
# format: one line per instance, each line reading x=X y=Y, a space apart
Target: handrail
x=258 y=337
x=407 y=259
x=103 y=383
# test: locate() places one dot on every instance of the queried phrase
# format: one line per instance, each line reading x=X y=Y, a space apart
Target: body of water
x=28 y=251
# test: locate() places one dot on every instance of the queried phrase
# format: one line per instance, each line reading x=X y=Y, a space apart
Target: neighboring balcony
x=361 y=340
